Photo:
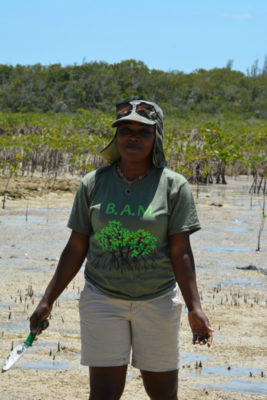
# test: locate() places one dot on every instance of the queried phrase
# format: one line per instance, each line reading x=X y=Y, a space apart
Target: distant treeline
x=98 y=85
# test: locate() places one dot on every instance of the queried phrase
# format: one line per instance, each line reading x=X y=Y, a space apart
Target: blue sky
x=164 y=34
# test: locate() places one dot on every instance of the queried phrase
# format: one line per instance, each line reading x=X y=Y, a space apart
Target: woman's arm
x=69 y=264
x=184 y=270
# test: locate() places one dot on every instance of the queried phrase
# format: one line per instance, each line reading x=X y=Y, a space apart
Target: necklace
x=134 y=180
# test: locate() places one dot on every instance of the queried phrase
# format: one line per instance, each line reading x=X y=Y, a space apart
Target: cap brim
x=134 y=118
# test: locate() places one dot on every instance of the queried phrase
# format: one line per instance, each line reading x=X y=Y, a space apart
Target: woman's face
x=135 y=141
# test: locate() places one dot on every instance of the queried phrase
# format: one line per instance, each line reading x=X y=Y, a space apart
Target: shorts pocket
x=177 y=301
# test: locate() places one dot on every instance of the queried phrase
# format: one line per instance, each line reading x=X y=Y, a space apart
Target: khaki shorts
x=112 y=329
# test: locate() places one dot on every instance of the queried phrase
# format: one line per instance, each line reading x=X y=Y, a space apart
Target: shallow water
x=14 y=326
x=242 y=386
x=234 y=229
x=189 y=358
x=242 y=282
x=187 y=369
x=228 y=239
x=60 y=365
x=218 y=370
x=229 y=250
x=2 y=304
x=190 y=367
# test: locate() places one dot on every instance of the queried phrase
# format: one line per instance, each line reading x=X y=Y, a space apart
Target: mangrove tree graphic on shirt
x=126 y=247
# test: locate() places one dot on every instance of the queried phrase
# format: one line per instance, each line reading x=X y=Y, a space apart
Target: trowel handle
x=32 y=335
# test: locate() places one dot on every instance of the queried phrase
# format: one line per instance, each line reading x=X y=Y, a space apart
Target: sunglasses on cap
x=145 y=110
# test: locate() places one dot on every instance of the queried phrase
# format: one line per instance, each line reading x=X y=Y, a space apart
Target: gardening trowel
x=19 y=350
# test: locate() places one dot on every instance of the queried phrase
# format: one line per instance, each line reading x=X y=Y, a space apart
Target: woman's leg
x=155 y=343
x=107 y=383
x=106 y=342
x=161 y=385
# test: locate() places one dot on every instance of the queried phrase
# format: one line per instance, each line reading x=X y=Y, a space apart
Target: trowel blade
x=15 y=354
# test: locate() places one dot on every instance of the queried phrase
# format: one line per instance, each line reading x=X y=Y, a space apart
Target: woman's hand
x=200 y=326
x=40 y=314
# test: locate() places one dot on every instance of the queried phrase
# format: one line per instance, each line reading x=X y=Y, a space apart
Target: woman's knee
x=106 y=392
x=161 y=385
x=107 y=382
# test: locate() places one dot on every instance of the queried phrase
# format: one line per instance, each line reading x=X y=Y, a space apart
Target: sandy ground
x=32 y=235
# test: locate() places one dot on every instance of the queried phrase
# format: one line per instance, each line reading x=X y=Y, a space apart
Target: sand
x=32 y=235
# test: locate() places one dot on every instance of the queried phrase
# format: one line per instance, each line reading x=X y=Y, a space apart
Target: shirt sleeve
x=183 y=214
x=79 y=219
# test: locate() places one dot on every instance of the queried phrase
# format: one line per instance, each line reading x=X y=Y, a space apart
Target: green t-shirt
x=128 y=226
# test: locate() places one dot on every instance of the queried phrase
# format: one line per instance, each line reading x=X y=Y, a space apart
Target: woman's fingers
x=45 y=325
x=40 y=314
x=202 y=340
x=201 y=329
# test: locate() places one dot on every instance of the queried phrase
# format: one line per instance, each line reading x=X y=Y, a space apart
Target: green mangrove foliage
x=52 y=144
x=55 y=120
x=204 y=150
x=201 y=149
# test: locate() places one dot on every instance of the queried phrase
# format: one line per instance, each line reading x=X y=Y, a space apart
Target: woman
x=132 y=220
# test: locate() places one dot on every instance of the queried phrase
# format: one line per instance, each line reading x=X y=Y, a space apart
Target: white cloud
x=236 y=16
